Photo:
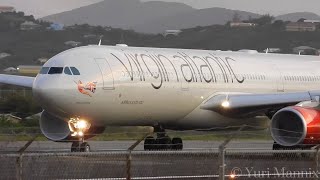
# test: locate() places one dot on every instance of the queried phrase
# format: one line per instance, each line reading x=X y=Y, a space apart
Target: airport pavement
x=98 y=146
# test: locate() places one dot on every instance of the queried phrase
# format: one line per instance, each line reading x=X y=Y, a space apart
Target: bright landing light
x=225 y=104
x=78 y=126
x=82 y=124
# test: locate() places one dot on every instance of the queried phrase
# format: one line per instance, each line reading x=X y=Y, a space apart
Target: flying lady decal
x=88 y=89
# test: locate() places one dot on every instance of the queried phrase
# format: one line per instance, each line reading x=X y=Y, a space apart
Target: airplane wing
x=23 y=81
x=244 y=105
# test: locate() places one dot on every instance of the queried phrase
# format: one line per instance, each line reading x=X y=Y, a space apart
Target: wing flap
x=23 y=81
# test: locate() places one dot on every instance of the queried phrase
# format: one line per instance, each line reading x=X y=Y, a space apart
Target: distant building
x=107 y=28
x=10 y=70
x=72 y=43
x=242 y=24
x=4 y=9
x=272 y=50
x=28 y=70
x=11 y=118
x=42 y=60
x=172 y=32
x=249 y=51
x=311 y=21
x=90 y=36
x=56 y=27
x=29 y=25
x=301 y=26
x=3 y=55
x=305 y=50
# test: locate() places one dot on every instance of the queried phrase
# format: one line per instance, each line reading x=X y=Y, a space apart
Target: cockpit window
x=67 y=71
x=44 y=70
x=55 y=70
x=75 y=71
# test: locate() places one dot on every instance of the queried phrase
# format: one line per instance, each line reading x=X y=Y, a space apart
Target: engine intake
x=293 y=126
x=57 y=129
x=54 y=128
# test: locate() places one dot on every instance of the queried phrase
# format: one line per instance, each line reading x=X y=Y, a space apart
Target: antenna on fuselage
x=100 y=40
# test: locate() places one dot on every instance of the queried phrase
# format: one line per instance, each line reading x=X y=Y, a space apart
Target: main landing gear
x=162 y=142
x=79 y=146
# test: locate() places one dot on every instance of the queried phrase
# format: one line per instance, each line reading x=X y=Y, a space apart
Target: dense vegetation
x=27 y=46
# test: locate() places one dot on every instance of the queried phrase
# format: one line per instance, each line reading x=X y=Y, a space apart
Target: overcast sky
x=41 y=8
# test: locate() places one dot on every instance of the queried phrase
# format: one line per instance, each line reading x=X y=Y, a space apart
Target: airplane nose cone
x=46 y=92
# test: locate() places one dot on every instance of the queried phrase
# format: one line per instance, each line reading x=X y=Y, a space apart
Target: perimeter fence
x=210 y=156
x=197 y=164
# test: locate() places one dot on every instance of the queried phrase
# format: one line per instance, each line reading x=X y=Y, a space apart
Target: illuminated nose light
x=225 y=104
x=82 y=124
x=78 y=126
x=232 y=176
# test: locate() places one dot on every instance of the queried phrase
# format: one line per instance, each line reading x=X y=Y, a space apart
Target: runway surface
x=98 y=146
x=199 y=160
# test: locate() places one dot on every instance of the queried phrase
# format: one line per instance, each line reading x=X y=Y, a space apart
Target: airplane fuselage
x=128 y=86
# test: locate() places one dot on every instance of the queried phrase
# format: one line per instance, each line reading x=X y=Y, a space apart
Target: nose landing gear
x=79 y=146
x=78 y=128
x=162 y=141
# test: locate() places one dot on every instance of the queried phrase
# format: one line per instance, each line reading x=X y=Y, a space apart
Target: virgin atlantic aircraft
x=85 y=89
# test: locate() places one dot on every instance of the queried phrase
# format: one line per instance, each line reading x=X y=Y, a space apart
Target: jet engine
x=57 y=129
x=294 y=126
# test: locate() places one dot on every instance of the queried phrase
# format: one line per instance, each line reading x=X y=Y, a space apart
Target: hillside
x=26 y=47
x=147 y=17
x=201 y=17
x=294 y=17
x=119 y=13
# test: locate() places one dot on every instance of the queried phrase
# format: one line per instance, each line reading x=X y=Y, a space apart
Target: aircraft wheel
x=177 y=144
x=149 y=143
x=166 y=143
x=75 y=147
x=85 y=147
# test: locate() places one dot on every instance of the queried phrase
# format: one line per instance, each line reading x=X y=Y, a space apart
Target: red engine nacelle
x=296 y=125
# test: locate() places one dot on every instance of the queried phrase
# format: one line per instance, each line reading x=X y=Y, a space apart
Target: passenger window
x=55 y=70
x=67 y=71
x=75 y=71
x=44 y=70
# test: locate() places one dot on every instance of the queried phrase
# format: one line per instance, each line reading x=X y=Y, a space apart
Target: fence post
x=19 y=167
x=129 y=165
x=222 y=167
x=222 y=152
x=317 y=162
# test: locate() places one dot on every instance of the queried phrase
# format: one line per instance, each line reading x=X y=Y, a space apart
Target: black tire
x=177 y=144
x=166 y=143
x=149 y=143
x=85 y=147
x=163 y=143
x=75 y=147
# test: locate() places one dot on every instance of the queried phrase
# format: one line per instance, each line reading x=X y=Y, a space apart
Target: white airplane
x=85 y=89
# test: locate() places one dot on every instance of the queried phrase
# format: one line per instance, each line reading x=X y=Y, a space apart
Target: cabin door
x=106 y=72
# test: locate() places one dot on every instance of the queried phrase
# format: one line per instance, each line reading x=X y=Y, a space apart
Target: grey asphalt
x=98 y=146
